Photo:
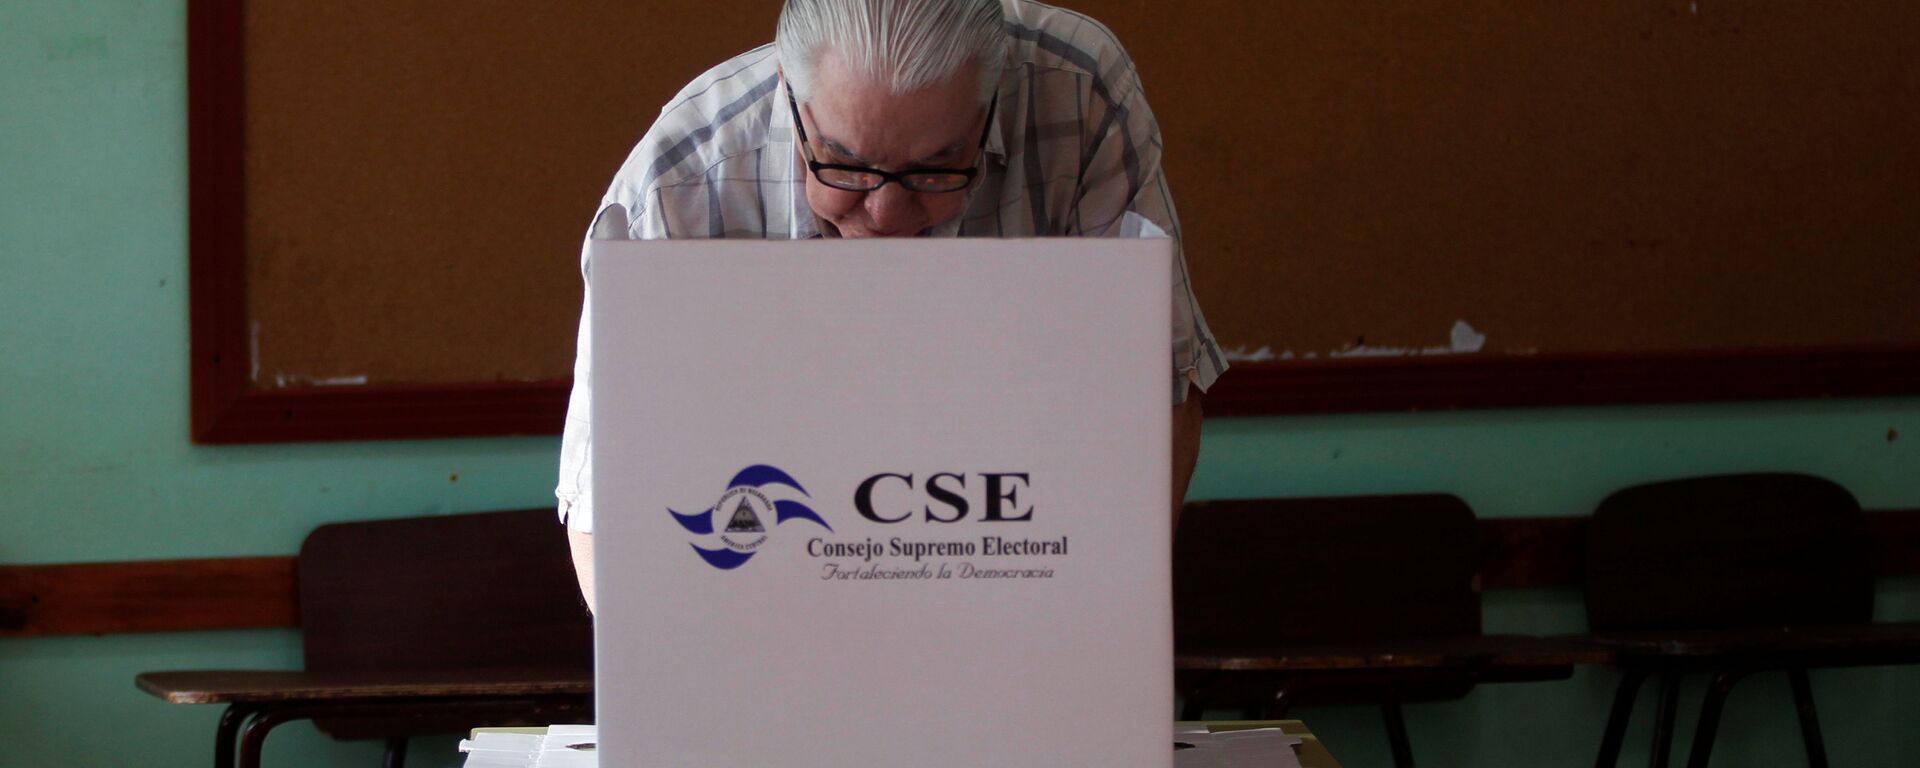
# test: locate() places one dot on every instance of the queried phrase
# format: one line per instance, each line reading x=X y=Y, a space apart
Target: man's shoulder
x=715 y=92
x=1059 y=38
x=720 y=114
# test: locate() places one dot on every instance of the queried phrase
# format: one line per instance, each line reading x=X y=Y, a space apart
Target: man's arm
x=1122 y=181
x=1186 y=451
x=582 y=545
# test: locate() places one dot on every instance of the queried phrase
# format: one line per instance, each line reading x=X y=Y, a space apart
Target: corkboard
x=1644 y=176
x=419 y=174
x=1654 y=176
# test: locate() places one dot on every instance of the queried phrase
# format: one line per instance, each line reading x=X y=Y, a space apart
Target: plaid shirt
x=1074 y=151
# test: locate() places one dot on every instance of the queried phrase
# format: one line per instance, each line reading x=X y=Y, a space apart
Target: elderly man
x=901 y=118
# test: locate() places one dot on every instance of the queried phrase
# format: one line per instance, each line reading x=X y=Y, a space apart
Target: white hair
x=906 y=44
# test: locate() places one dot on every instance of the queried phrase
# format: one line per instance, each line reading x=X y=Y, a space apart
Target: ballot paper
x=1197 y=747
x=561 y=746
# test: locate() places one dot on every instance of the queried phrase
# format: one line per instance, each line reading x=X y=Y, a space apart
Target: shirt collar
x=1010 y=102
x=780 y=139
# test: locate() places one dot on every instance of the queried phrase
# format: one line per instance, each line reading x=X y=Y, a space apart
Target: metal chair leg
x=1663 y=717
x=227 y=733
x=1616 y=732
x=1809 y=719
x=1397 y=734
x=1193 y=701
x=1710 y=709
x=396 y=753
x=254 y=736
x=1282 y=703
x=1192 y=707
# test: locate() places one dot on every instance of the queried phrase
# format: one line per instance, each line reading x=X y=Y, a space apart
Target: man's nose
x=892 y=209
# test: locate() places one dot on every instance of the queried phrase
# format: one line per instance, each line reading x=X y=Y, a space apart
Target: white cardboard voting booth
x=882 y=503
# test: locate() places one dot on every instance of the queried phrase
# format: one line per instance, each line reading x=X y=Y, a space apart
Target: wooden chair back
x=1731 y=551
x=474 y=591
x=1325 y=571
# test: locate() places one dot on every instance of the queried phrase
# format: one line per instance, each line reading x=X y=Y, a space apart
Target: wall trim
x=260 y=592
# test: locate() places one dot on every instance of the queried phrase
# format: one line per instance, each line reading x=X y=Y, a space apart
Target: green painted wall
x=95 y=463
x=1562 y=462
x=94 y=458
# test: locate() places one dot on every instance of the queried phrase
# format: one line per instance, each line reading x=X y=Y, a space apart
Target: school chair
x=1729 y=576
x=415 y=626
x=1362 y=599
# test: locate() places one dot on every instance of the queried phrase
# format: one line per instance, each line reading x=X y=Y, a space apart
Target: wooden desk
x=1413 y=669
x=1485 y=658
x=258 y=701
x=415 y=625
x=1417 y=668
x=1846 y=645
x=1730 y=655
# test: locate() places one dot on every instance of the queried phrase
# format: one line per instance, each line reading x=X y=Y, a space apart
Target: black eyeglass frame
x=900 y=177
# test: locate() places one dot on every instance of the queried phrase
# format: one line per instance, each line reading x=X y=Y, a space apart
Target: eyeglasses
x=858 y=178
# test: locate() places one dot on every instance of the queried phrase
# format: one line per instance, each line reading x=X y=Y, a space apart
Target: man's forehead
x=866 y=121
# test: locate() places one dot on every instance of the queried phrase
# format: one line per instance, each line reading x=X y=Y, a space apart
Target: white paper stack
x=562 y=746
x=1250 y=748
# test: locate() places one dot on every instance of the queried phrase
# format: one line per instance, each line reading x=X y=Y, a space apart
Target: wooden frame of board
x=228 y=407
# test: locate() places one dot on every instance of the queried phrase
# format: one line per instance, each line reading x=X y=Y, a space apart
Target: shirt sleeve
x=1124 y=194
x=575 y=488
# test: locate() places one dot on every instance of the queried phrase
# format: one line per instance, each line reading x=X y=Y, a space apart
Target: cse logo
x=745 y=508
x=998 y=494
